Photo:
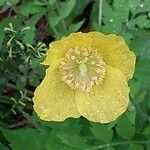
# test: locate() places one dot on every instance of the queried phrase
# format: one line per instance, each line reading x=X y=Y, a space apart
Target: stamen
x=73 y=57
x=93 y=62
x=82 y=68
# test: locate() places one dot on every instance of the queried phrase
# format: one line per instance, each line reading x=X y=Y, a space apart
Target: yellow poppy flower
x=87 y=76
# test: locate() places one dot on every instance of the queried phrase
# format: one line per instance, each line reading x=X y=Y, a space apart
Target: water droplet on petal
x=91 y=114
x=100 y=96
x=84 y=113
x=97 y=111
x=87 y=103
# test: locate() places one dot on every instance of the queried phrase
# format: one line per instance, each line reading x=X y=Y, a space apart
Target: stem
x=117 y=144
x=100 y=12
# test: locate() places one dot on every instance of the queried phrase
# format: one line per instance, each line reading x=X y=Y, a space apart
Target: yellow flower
x=87 y=77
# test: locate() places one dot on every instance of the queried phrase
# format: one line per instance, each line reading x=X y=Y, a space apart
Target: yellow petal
x=53 y=99
x=106 y=101
x=58 y=48
x=115 y=52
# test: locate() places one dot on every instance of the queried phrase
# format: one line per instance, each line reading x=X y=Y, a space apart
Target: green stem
x=100 y=12
x=117 y=144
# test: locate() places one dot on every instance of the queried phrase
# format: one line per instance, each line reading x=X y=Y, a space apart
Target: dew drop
x=141 y=5
x=84 y=113
x=131 y=6
x=111 y=20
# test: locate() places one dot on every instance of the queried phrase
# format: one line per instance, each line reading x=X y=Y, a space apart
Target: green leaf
x=18 y=138
x=75 y=27
x=21 y=82
x=28 y=35
x=131 y=116
x=2 y=2
x=140 y=43
x=101 y=132
x=79 y=7
x=135 y=147
x=76 y=141
x=110 y=148
x=147 y=130
x=134 y=88
x=53 y=18
x=124 y=127
x=33 y=79
x=29 y=7
x=142 y=21
x=55 y=144
x=2 y=147
x=66 y=8
x=143 y=72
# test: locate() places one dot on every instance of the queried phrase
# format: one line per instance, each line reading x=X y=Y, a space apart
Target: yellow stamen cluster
x=82 y=68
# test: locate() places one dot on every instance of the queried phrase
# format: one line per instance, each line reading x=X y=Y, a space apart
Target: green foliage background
x=26 y=29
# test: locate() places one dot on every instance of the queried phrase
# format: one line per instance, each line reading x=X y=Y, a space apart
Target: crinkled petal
x=106 y=101
x=115 y=52
x=53 y=99
x=58 y=48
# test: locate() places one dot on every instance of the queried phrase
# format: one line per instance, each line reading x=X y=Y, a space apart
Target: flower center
x=82 y=68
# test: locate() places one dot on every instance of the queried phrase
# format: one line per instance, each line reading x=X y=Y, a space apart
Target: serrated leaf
x=101 y=132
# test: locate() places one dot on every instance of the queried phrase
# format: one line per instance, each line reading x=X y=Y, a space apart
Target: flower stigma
x=82 y=68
